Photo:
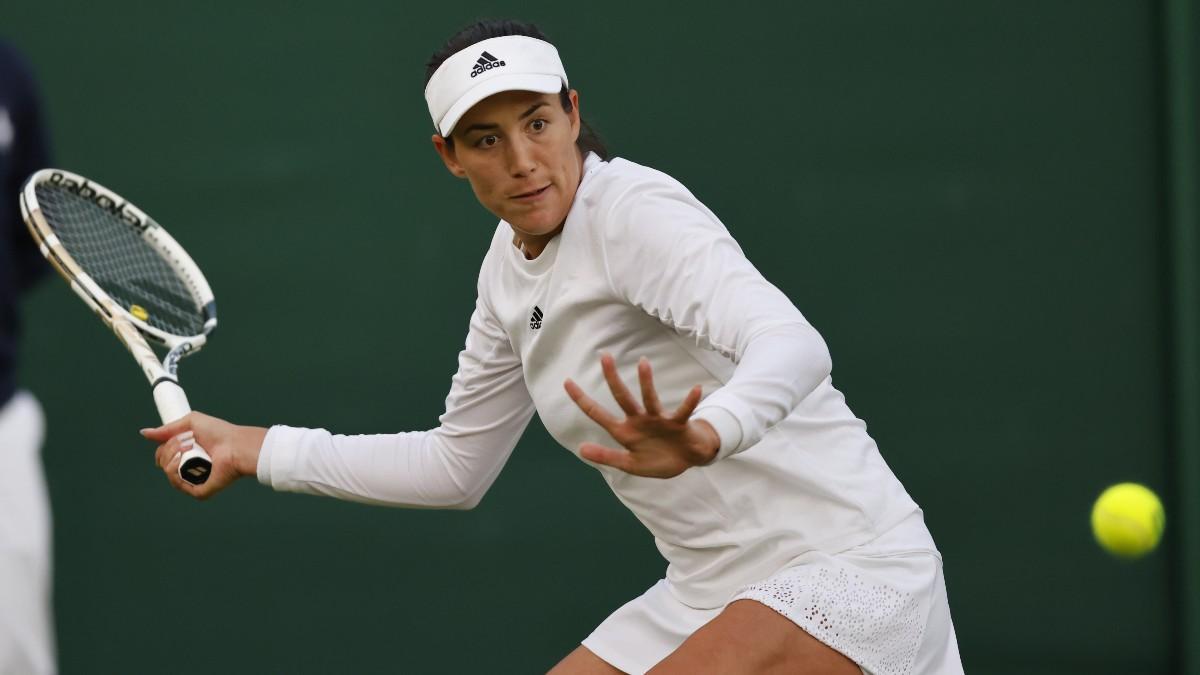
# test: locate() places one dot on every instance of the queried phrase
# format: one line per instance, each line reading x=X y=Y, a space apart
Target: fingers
x=626 y=400
x=649 y=396
x=620 y=392
x=630 y=462
x=685 y=410
x=166 y=431
x=589 y=407
x=171 y=469
x=165 y=451
x=618 y=459
x=168 y=456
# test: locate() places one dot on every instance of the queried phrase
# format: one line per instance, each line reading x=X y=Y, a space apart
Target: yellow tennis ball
x=1128 y=520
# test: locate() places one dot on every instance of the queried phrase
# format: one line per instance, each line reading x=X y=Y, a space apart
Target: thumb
x=167 y=431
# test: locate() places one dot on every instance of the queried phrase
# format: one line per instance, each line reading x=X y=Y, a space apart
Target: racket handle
x=195 y=465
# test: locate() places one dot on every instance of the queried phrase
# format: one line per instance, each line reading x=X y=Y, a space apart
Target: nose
x=520 y=157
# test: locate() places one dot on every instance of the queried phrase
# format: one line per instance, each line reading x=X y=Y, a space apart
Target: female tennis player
x=614 y=304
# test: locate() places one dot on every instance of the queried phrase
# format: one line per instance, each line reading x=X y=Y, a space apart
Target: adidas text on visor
x=508 y=63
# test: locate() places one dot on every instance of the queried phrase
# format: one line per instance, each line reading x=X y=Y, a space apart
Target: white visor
x=508 y=63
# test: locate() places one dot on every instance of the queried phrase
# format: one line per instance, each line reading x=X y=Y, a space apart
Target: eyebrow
x=486 y=127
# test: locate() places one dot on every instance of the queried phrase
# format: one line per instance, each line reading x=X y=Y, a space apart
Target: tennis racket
x=134 y=275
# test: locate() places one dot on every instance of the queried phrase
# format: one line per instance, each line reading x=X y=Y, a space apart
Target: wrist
x=247 y=450
x=711 y=444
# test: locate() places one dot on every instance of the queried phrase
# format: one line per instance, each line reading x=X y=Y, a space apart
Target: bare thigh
x=749 y=637
x=583 y=661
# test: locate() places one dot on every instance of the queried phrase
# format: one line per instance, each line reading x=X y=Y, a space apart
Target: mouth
x=532 y=194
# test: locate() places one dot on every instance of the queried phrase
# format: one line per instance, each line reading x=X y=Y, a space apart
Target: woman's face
x=517 y=149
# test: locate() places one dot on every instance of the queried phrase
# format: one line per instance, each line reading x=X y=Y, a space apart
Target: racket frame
x=136 y=334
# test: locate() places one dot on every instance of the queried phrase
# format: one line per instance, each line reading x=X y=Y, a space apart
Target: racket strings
x=113 y=253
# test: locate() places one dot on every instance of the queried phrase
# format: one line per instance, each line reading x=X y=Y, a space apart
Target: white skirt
x=882 y=604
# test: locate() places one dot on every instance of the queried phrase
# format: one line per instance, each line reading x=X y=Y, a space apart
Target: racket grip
x=195 y=465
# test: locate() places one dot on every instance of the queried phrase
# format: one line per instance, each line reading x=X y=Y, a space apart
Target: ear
x=446 y=152
x=574 y=114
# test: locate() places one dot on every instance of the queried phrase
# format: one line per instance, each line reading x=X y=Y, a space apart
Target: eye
x=538 y=124
x=487 y=141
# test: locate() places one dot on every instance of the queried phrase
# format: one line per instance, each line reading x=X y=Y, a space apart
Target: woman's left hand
x=657 y=445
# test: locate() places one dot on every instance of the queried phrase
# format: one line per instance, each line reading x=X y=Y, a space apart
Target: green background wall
x=966 y=199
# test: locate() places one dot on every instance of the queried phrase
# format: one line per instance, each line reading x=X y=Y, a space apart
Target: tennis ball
x=1128 y=520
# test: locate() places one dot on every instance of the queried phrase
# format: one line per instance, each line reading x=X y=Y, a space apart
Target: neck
x=532 y=245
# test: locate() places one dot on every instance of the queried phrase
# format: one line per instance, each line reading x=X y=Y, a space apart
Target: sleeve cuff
x=726 y=424
x=277 y=457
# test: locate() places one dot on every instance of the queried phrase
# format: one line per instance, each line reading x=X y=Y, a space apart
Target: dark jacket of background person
x=23 y=150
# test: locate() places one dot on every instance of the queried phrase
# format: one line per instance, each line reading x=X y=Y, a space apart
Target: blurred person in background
x=26 y=625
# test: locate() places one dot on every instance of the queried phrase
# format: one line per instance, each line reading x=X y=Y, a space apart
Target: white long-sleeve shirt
x=641 y=268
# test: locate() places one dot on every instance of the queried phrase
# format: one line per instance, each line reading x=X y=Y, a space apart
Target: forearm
x=422 y=469
x=776 y=371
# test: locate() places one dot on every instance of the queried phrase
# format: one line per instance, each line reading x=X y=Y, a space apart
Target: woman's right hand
x=234 y=450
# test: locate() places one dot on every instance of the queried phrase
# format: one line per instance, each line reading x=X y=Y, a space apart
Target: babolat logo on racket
x=486 y=62
x=103 y=201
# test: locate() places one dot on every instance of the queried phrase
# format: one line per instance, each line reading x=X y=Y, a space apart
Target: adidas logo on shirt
x=486 y=62
x=535 y=321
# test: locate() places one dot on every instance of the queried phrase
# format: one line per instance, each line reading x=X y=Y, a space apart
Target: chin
x=536 y=224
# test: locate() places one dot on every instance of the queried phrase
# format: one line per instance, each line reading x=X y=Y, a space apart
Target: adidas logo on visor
x=486 y=62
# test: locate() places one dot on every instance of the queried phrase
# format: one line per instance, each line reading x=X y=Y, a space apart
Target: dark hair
x=479 y=31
